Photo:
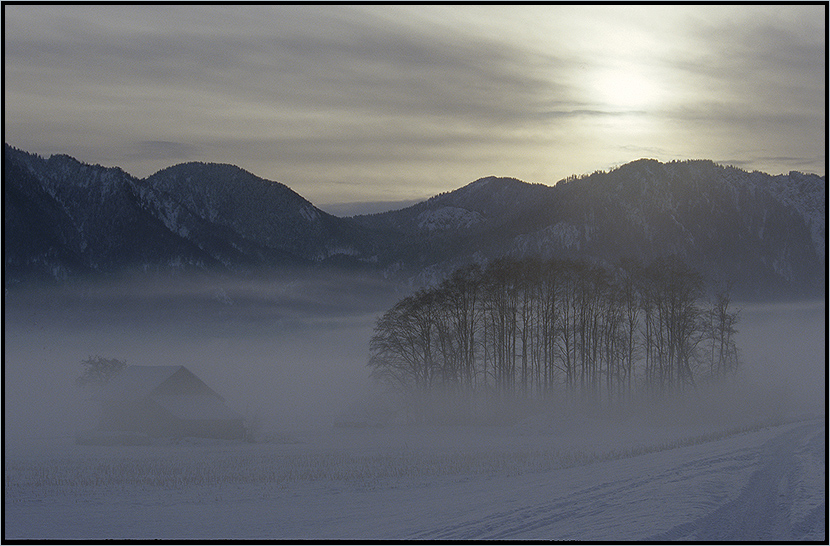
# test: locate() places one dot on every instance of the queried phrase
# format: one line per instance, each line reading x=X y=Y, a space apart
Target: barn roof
x=175 y=388
x=136 y=382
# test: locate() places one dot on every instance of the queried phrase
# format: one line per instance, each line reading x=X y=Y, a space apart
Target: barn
x=166 y=401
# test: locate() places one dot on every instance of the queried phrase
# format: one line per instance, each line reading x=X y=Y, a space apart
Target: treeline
x=533 y=328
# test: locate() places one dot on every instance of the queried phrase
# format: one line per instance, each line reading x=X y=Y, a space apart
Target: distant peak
x=200 y=166
x=493 y=178
x=484 y=180
x=500 y=180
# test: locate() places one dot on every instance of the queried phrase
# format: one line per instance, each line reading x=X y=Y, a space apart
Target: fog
x=784 y=352
x=292 y=353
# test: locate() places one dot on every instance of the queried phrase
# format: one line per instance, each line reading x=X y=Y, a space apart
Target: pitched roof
x=174 y=388
x=136 y=383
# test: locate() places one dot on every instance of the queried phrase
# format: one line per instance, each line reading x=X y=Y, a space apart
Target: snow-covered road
x=762 y=486
x=776 y=503
x=767 y=484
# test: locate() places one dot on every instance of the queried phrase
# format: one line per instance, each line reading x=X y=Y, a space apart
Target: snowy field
x=445 y=484
x=746 y=463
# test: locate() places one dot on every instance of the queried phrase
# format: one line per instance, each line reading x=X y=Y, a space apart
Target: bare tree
x=627 y=274
x=98 y=371
x=673 y=292
x=723 y=357
x=532 y=328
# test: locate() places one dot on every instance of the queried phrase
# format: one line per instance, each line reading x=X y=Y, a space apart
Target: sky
x=355 y=103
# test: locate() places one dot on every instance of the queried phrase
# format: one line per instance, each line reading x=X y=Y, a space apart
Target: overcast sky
x=377 y=103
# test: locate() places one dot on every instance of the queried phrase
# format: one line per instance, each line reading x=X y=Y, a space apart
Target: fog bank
x=293 y=354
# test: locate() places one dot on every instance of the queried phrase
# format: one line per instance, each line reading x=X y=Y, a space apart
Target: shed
x=166 y=401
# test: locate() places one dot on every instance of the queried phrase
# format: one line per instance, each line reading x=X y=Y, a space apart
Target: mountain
x=764 y=233
x=63 y=218
x=266 y=214
x=472 y=223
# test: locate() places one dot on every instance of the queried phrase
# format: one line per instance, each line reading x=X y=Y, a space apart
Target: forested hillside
x=64 y=219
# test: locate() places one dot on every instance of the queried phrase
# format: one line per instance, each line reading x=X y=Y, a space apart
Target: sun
x=624 y=89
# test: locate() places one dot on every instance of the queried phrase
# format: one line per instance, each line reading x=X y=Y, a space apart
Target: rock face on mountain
x=63 y=218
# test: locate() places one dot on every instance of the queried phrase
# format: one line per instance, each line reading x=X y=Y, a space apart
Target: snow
x=444 y=218
x=168 y=211
x=562 y=235
x=803 y=193
x=747 y=462
x=337 y=250
x=437 y=483
x=309 y=214
x=807 y=195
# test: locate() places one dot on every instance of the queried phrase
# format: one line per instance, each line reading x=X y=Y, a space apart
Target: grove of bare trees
x=533 y=329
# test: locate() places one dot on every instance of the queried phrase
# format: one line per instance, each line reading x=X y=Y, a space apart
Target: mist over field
x=784 y=349
x=293 y=353
x=335 y=459
x=454 y=272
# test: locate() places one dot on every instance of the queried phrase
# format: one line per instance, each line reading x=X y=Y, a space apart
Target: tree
x=505 y=330
x=501 y=309
x=458 y=322
x=673 y=322
x=723 y=356
x=98 y=371
x=628 y=275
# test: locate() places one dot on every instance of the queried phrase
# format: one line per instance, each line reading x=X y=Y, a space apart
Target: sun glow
x=624 y=89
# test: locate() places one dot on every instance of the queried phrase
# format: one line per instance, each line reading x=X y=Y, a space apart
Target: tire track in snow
x=571 y=513
x=762 y=511
x=755 y=507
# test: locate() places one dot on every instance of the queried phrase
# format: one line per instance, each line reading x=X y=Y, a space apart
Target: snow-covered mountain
x=266 y=213
x=64 y=218
x=764 y=233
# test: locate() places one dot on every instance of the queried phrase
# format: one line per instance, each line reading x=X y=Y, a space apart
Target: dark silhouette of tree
x=673 y=291
x=459 y=296
x=627 y=282
x=723 y=358
x=533 y=328
x=98 y=371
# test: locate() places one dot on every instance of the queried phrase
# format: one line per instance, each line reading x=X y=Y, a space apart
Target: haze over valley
x=177 y=269
x=325 y=272
x=65 y=219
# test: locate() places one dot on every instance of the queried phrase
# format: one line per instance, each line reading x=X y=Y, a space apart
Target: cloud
x=766 y=64
x=768 y=163
x=295 y=84
x=310 y=95
x=335 y=63
x=588 y=113
x=161 y=150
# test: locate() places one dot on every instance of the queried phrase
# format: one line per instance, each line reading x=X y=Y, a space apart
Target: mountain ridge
x=64 y=218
